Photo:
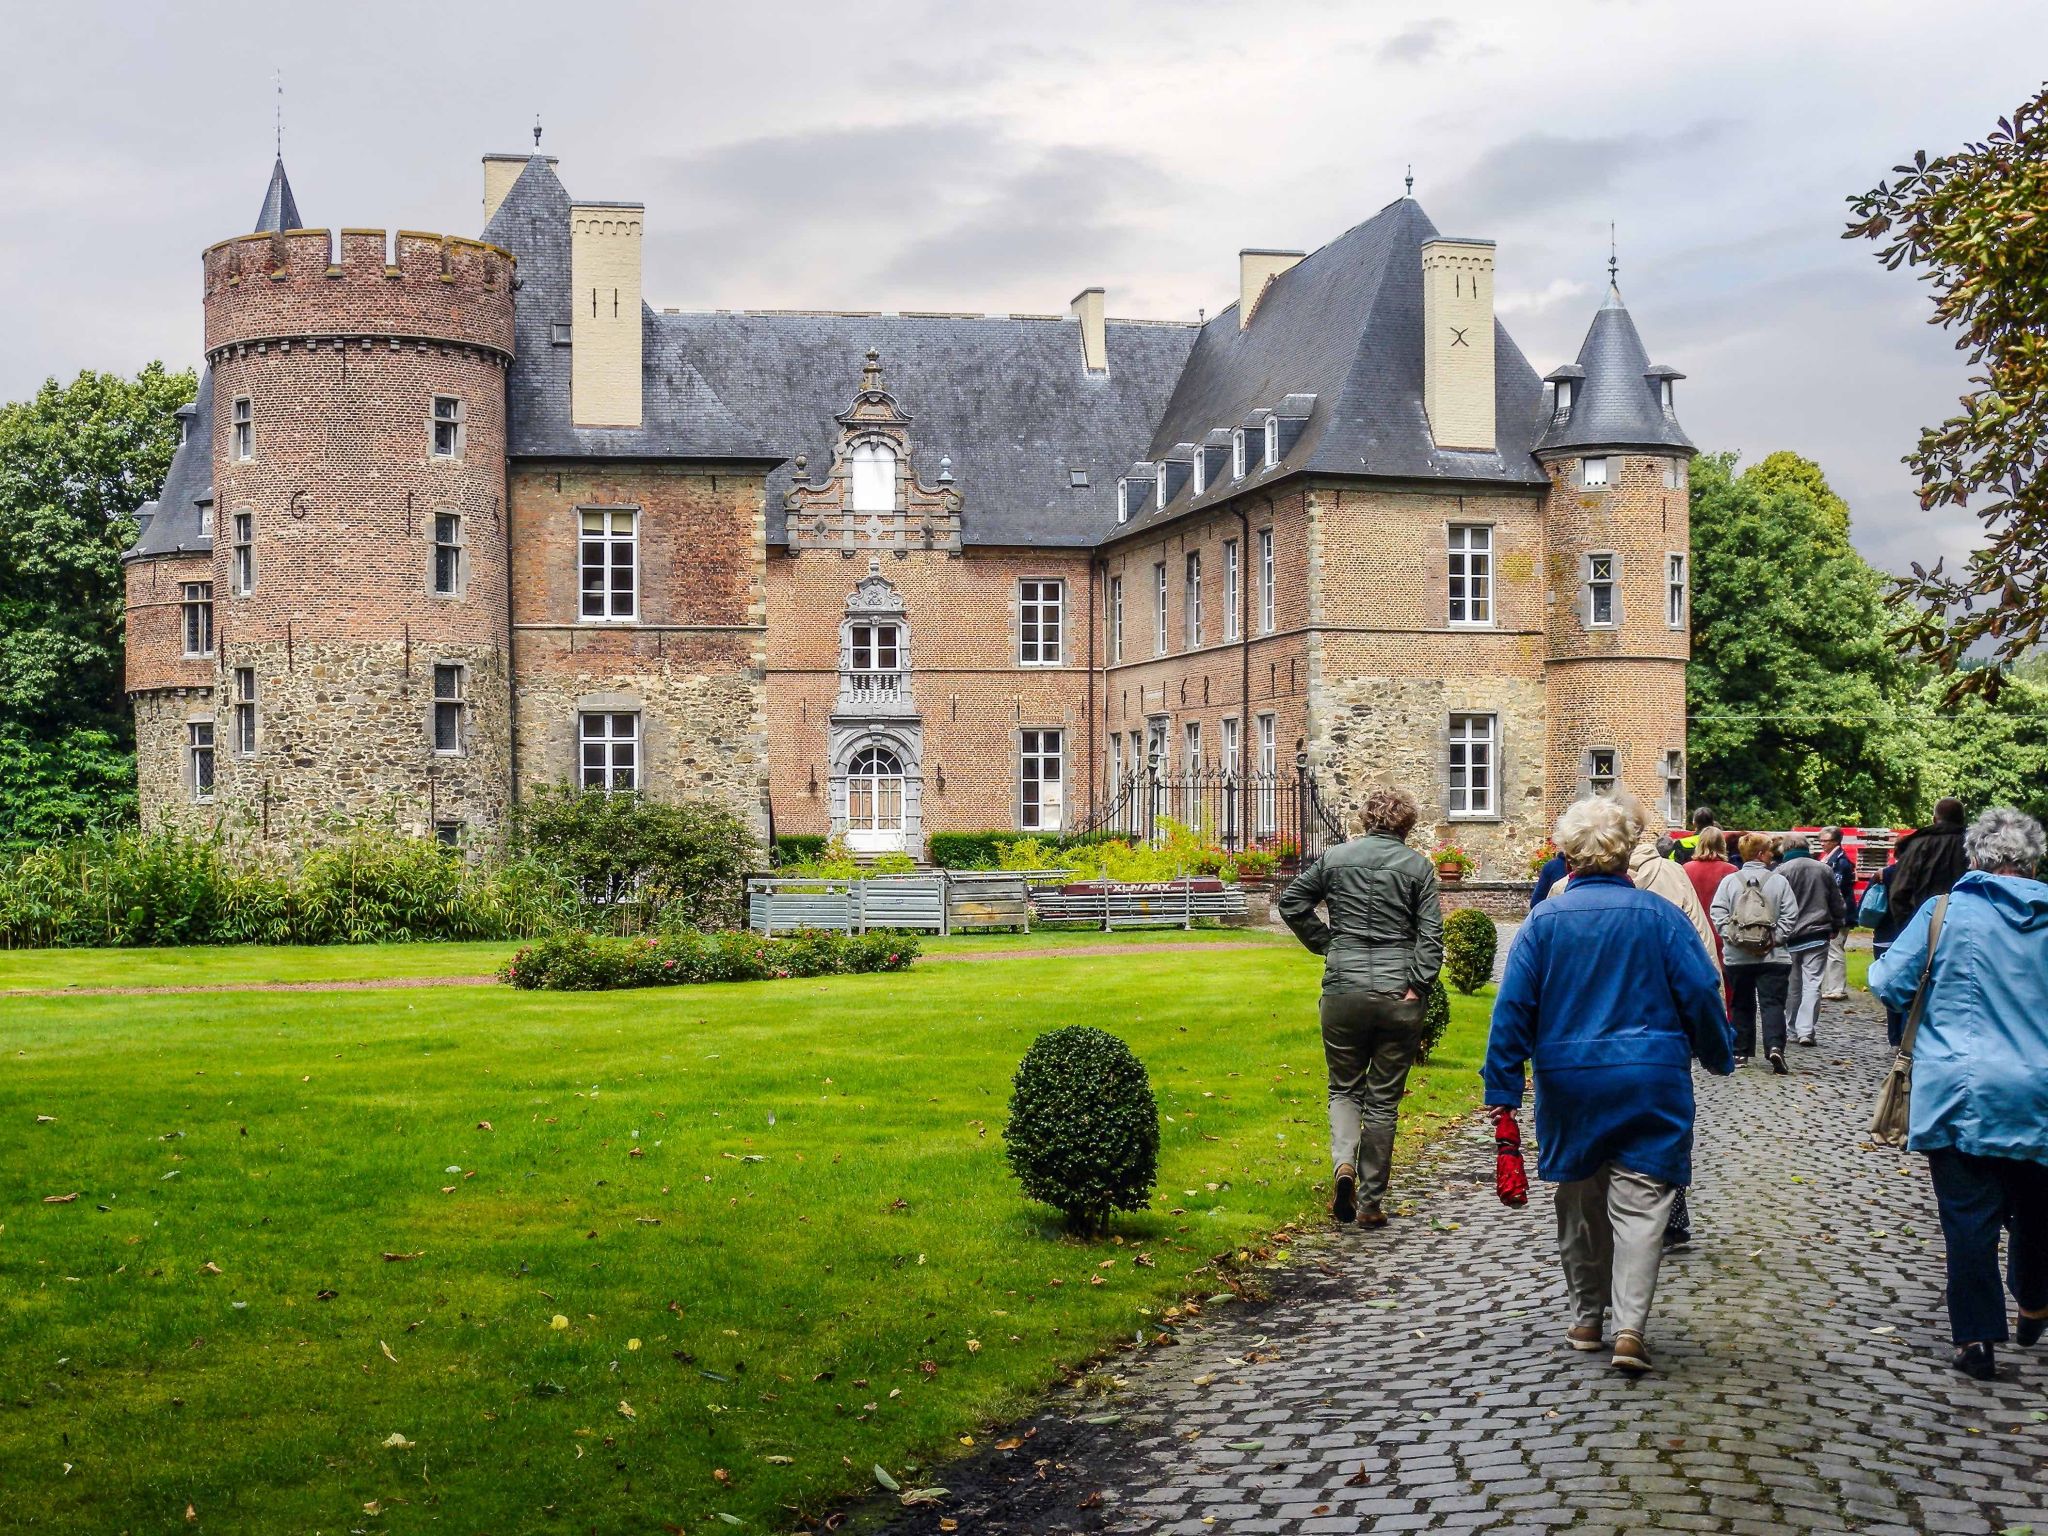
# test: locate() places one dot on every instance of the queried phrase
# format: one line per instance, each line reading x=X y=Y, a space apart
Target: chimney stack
x=1255 y=269
x=500 y=171
x=1457 y=342
x=1087 y=308
x=604 y=336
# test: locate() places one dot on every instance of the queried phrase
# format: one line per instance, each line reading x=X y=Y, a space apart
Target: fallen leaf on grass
x=558 y=1322
x=402 y=1258
x=626 y=1410
x=325 y=1295
x=1359 y=1478
x=483 y=1125
x=1010 y=1444
x=397 y=1442
x=387 y=1352
x=946 y=1524
x=974 y=1346
x=730 y=1519
x=46 y=1119
x=1091 y=1500
x=917 y=1497
x=191 y=1515
x=779 y=1461
x=209 y=1268
x=60 y=1199
x=888 y=1482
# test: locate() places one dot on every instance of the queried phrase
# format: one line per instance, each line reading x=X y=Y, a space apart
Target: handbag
x=1893 y=1117
x=1510 y=1175
x=1876 y=902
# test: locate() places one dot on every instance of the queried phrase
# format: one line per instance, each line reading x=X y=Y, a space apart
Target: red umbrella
x=1510 y=1178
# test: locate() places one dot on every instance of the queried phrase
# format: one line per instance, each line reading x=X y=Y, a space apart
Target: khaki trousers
x=1369 y=1043
x=1834 y=978
x=1610 y=1235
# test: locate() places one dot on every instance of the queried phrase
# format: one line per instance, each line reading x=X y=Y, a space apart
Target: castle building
x=457 y=519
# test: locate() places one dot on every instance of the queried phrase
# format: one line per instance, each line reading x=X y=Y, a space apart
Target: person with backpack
x=1819 y=914
x=1753 y=911
x=1687 y=848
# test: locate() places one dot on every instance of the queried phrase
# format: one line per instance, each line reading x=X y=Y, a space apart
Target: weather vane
x=536 y=132
x=279 y=74
x=1613 y=261
x=1408 y=181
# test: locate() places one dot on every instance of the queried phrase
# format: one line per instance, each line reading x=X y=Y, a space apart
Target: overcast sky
x=1000 y=156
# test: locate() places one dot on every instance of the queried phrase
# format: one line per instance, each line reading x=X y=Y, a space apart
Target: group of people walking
x=1643 y=956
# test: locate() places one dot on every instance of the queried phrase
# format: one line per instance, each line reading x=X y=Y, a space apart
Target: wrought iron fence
x=1283 y=810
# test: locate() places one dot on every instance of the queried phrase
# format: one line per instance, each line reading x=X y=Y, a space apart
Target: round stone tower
x=1619 y=568
x=359 y=561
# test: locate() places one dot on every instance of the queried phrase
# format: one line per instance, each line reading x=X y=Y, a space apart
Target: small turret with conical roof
x=1613 y=396
x=280 y=208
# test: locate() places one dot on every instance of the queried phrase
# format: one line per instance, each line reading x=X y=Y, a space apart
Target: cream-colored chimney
x=1255 y=269
x=1087 y=308
x=604 y=336
x=1457 y=342
x=500 y=171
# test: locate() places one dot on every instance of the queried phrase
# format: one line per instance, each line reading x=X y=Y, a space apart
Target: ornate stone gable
x=850 y=509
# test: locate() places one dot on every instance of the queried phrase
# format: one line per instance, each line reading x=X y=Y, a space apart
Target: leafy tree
x=684 y=864
x=75 y=463
x=1972 y=221
x=1990 y=752
x=1796 y=698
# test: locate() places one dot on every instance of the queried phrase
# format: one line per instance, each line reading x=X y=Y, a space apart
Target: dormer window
x=873 y=469
x=1159 y=489
x=1200 y=473
x=1123 y=500
x=1272 y=441
x=1665 y=393
x=1564 y=397
x=1237 y=453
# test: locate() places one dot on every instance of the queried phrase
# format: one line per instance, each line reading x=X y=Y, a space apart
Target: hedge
x=798 y=847
x=966 y=850
x=579 y=962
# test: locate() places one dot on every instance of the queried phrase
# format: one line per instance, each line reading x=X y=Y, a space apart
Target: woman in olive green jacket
x=1383 y=943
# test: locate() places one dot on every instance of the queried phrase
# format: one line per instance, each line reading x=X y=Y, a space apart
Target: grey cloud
x=1545 y=170
x=1417 y=43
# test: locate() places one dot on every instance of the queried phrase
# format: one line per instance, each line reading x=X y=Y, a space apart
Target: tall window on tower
x=1041 y=800
x=1674 y=591
x=243 y=568
x=1232 y=592
x=873 y=468
x=1471 y=551
x=444 y=428
x=1471 y=765
x=1039 y=605
x=610 y=746
x=245 y=711
x=608 y=555
x=1191 y=600
x=1600 y=579
x=448 y=554
x=199 y=755
x=197 y=603
x=1265 y=581
x=449 y=705
x=1674 y=789
x=243 y=443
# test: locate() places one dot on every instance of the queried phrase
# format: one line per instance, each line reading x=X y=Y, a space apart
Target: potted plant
x=1255 y=866
x=1541 y=855
x=1452 y=862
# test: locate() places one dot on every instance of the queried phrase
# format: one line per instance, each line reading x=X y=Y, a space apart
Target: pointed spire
x=1613 y=268
x=1408 y=182
x=280 y=208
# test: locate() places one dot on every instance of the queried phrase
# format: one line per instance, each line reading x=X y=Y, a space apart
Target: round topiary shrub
x=1083 y=1134
x=1436 y=1018
x=1470 y=940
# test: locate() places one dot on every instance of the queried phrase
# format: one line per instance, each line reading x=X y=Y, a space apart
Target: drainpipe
x=1094 y=566
x=1244 y=658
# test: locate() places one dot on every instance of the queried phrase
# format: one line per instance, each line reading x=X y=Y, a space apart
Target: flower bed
x=579 y=962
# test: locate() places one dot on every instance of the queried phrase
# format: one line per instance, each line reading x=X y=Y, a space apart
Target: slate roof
x=1344 y=324
x=280 y=208
x=171 y=522
x=1616 y=402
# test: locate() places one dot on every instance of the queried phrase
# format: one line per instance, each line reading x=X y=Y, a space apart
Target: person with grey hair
x=1383 y=945
x=1976 y=958
x=1834 y=979
x=1610 y=995
x=1817 y=913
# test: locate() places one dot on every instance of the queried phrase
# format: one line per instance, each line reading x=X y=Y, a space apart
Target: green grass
x=823 y=1304
x=239 y=964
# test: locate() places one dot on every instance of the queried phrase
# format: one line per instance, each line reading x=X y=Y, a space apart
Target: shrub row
x=798 y=847
x=579 y=962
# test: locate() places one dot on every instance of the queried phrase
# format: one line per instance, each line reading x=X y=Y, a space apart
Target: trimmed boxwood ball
x=1470 y=940
x=1436 y=1018
x=1083 y=1134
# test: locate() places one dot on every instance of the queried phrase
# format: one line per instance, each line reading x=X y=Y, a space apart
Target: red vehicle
x=1870 y=847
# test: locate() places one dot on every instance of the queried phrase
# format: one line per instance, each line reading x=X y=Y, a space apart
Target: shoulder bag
x=1894 y=1115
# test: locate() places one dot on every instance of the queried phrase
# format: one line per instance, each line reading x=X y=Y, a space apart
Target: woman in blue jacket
x=1980 y=1079
x=1611 y=994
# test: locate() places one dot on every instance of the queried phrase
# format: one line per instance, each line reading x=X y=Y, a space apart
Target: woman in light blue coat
x=1980 y=1079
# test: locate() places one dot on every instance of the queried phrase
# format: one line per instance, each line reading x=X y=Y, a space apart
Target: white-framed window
x=873 y=471
x=610 y=751
x=1272 y=453
x=1040 y=608
x=184 y=419
x=1116 y=618
x=1116 y=760
x=874 y=791
x=196 y=600
x=444 y=428
x=1564 y=397
x=199 y=757
x=1233 y=593
x=1191 y=747
x=449 y=704
x=1668 y=393
x=1191 y=600
x=1159 y=488
x=608 y=558
x=242 y=444
x=1265 y=581
x=1471 y=570
x=1228 y=760
x=1674 y=789
x=1199 y=475
x=448 y=833
x=206 y=519
x=1675 y=590
x=875 y=647
x=242 y=554
x=1603 y=770
x=1600 y=584
x=1159 y=609
x=1123 y=499
x=1237 y=453
x=245 y=711
x=1471 y=786
x=1593 y=473
x=1041 y=781
x=448 y=555
x=1265 y=807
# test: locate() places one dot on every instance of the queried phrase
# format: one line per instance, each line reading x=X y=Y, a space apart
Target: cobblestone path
x=1417 y=1379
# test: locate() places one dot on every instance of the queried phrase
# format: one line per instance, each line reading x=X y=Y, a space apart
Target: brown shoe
x=1371 y=1216
x=1630 y=1355
x=1344 y=1204
x=1585 y=1337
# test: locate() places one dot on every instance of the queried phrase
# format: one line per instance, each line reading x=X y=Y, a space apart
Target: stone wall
x=163 y=780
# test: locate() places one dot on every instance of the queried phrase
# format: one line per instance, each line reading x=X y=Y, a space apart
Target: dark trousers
x=1748 y=986
x=1370 y=1040
x=1894 y=1021
x=1978 y=1198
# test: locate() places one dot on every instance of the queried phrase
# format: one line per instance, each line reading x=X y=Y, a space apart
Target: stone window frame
x=1191 y=747
x=449 y=703
x=1484 y=578
x=248 y=721
x=1191 y=600
x=242 y=552
x=1237 y=458
x=1270 y=454
x=1677 y=588
x=1040 y=603
x=1673 y=766
x=868 y=449
x=608 y=739
x=1030 y=745
x=1586 y=480
x=610 y=537
x=1123 y=498
x=242 y=429
x=1198 y=477
x=455 y=422
x=1594 y=583
x=205 y=517
x=449 y=833
x=1233 y=591
x=1493 y=743
x=201 y=760
x=1268 y=581
x=195 y=628
x=1265 y=803
x=1115 y=616
x=1590 y=780
x=1159 y=608
x=1674 y=474
x=456 y=549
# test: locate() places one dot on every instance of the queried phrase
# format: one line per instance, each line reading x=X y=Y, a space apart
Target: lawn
x=773 y=1217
